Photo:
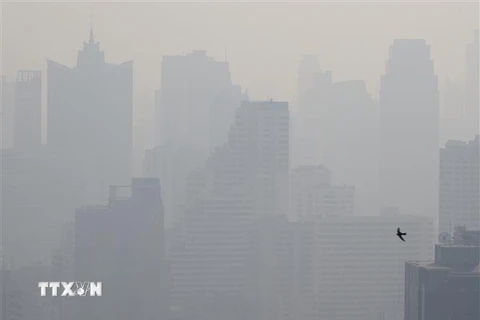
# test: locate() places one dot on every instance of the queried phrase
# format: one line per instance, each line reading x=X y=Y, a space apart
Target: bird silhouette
x=401 y=234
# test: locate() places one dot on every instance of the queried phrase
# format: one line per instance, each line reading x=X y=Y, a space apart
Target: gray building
x=7 y=114
x=121 y=245
x=28 y=110
x=409 y=121
x=337 y=126
x=190 y=86
x=459 y=185
x=472 y=84
x=225 y=249
x=445 y=289
x=90 y=118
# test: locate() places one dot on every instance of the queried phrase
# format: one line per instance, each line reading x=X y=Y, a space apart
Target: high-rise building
x=409 y=130
x=337 y=126
x=472 y=84
x=312 y=193
x=225 y=248
x=359 y=263
x=308 y=69
x=459 y=185
x=122 y=245
x=90 y=118
x=7 y=114
x=447 y=288
x=195 y=109
x=28 y=110
x=37 y=189
x=172 y=164
x=189 y=86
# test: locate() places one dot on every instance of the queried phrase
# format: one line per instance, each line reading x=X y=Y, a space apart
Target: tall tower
x=459 y=190
x=472 y=84
x=409 y=121
x=230 y=205
x=90 y=118
x=190 y=84
x=309 y=67
x=28 y=110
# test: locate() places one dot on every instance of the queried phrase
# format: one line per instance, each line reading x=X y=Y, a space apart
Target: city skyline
x=252 y=69
x=240 y=161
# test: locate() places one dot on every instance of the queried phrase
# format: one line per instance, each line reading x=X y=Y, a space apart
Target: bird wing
x=398 y=230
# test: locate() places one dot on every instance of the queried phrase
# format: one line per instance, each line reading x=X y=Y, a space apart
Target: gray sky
x=264 y=41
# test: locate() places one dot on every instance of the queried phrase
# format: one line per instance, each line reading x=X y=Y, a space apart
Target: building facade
x=409 y=121
x=28 y=110
x=459 y=185
x=90 y=118
x=121 y=245
x=447 y=288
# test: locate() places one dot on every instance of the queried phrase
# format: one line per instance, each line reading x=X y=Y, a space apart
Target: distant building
x=122 y=245
x=20 y=299
x=195 y=109
x=28 y=110
x=185 y=104
x=459 y=185
x=445 y=289
x=472 y=84
x=359 y=263
x=337 y=126
x=90 y=118
x=312 y=194
x=409 y=136
x=7 y=113
x=38 y=189
x=172 y=164
x=225 y=242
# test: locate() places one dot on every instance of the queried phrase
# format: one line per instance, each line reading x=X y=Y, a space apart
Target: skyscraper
x=225 y=251
x=409 y=124
x=7 y=114
x=337 y=126
x=195 y=109
x=90 y=118
x=459 y=185
x=122 y=245
x=28 y=110
x=189 y=86
x=472 y=84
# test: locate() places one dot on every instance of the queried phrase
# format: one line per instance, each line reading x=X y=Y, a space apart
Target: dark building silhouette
x=446 y=289
x=90 y=118
x=122 y=245
x=409 y=130
x=28 y=110
x=459 y=185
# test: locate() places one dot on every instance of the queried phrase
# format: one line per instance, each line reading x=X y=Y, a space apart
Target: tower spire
x=91 y=39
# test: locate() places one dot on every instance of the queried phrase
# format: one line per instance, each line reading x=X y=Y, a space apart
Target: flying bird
x=401 y=234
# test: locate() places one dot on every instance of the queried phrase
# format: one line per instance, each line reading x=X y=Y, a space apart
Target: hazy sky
x=264 y=41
